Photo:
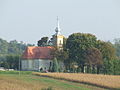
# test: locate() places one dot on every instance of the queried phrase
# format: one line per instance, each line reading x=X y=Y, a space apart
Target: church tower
x=57 y=37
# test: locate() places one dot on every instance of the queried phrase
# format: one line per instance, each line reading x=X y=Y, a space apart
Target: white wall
x=35 y=64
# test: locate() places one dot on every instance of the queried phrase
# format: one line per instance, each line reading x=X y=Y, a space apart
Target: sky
x=29 y=20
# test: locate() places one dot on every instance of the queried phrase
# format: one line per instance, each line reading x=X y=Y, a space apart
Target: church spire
x=57 y=30
x=57 y=39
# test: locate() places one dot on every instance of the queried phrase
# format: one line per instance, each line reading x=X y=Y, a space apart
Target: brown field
x=15 y=83
x=106 y=81
x=10 y=81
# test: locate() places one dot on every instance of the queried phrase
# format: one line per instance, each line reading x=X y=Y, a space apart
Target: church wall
x=35 y=65
x=30 y=65
x=44 y=64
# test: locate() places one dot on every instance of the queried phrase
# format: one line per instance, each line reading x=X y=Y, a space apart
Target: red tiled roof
x=37 y=52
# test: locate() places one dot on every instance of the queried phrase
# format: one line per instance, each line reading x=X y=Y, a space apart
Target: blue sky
x=29 y=20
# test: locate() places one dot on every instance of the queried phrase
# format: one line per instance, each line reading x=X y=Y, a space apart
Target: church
x=36 y=58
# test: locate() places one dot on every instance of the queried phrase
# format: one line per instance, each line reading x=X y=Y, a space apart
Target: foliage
x=43 y=41
x=55 y=67
x=90 y=54
x=60 y=55
x=12 y=47
x=107 y=50
x=10 y=52
x=111 y=67
x=117 y=46
x=77 y=44
x=116 y=67
x=108 y=54
x=3 y=46
x=12 y=61
x=93 y=58
x=64 y=43
x=81 y=50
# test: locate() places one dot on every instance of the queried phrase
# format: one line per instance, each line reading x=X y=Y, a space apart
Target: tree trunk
x=98 y=69
x=88 y=69
x=93 y=69
x=83 y=69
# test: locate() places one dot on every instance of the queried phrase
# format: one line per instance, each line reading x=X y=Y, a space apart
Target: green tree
x=12 y=61
x=93 y=58
x=3 y=46
x=9 y=51
x=77 y=44
x=55 y=67
x=117 y=46
x=60 y=55
x=116 y=67
x=108 y=54
x=64 y=43
x=107 y=50
x=43 y=41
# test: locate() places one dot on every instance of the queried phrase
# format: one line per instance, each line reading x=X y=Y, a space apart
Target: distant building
x=36 y=58
x=2 y=69
x=39 y=58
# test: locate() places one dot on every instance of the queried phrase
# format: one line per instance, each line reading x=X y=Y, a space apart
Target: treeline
x=84 y=53
x=10 y=53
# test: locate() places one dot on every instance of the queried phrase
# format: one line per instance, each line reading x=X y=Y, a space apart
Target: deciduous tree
x=43 y=41
x=77 y=44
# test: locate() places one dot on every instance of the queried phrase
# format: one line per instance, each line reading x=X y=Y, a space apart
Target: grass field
x=105 y=81
x=27 y=81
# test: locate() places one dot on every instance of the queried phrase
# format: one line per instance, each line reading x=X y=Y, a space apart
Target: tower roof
x=57 y=30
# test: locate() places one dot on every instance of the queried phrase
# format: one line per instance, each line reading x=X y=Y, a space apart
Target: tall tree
x=59 y=54
x=12 y=61
x=108 y=54
x=77 y=44
x=93 y=59
x=117 y=46
x=107 y=50
x=3 y=46
x=10 y=48
x=55 y=67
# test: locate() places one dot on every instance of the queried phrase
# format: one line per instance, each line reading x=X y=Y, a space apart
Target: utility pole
x=19 y=65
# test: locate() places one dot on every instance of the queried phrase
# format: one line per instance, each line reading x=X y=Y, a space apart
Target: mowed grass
x=105 y=81
x=11 y=80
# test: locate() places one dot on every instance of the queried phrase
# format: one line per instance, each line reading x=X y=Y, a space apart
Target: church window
x=60 y=42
